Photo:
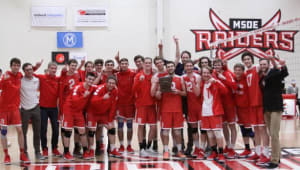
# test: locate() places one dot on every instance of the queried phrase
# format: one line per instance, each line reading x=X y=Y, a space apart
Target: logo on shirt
x=245 y=35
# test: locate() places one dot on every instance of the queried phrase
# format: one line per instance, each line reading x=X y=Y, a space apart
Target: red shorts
x=98 y=119
x=73 y=120
x=172 y=120
x=126 y=112
x=146 y=115
x=10 y=118
x=256 y=116
x=229 y=114
x=212 y=123
x=243 y=116
x=194 y=116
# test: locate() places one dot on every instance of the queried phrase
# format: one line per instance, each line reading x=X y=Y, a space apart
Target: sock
x=202 y=146
x=247 y=146
x=85 y=149
x=258 y=149
x=155 y=144
x=5 y=151
x=144 y=142
x=97 y=144
x=112 y=147
x=66 y=149
x=266 y=151
x=77 y=145
x=197 y=145
x=179 y=146
x=121 y=143
x=220 y=150
x=149 y=144
x=128 y=142
x=214 y=148
x=231 y=146
x=166 y=148
x=142 y=146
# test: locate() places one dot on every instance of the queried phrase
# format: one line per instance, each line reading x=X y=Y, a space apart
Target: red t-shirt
x=67 y=82
x=76 y=102
x=48 y=90
x=241 y=93
x=255 y=94
x=171 y=102
x=10 y=95
x=192 y=100
x=142 y=89
x=125 y=83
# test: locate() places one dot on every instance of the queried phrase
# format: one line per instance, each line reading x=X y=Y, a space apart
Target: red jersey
x=171 y=102
x=105 y=76
x=48 y=90
x=142 y=89
x=10 y=95
x=98 y=105
x=211 y=98
x=255 y=94
x=76 y=102
x=82 y=74
x=241 y=93
x=125 y=83
x=192 y=100
x=67 y=82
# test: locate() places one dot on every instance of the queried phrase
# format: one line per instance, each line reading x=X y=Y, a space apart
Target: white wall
x=131 y=30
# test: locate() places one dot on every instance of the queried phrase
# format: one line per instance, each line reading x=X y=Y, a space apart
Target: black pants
x=52 y=114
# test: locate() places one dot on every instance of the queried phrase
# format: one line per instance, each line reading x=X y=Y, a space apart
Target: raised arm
x=177 y=54
x=160 y=49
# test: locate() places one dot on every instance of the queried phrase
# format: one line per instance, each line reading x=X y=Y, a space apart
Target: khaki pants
x=273 y=120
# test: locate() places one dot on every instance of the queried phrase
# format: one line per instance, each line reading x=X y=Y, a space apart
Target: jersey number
x=249 y=79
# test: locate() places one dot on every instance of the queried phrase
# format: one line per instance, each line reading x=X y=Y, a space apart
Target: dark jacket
x=272 y=89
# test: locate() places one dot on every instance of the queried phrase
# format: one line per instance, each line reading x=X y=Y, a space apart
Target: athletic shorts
x=229 y=115
x=98 y=119
x=194 y=116
x=126 y=111
x=73 y=120
x=212 y=123
x=10 y=118
x=243 y=116
x=256 y=116
x=146 y=115
x=172 y=120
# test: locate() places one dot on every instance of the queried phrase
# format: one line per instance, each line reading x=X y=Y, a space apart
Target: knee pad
x=244 y=131
x=68 y=133
x=218 y=134
x=194 y=130
x=62 y=130
x=112 y=131
x=76 y=131
x=3 y=131
x=120 y=124
x=203 y=132
x=82 y=134
x=91 y=133
x=251 y=133
x=165 y=132
x=129 y=124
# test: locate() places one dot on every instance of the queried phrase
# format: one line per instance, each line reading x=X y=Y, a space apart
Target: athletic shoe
x=39 y=156
x=68 y=156
x=245 y=153
x=121 y=149
x=92 y=153
x=196 y=151
x=144 y=153
x=24 y=158
x=45 y=152
x=263 y=160
x=226 y=150
x=174 y=150
x=253 y=158
x=180 y=155
x=115 y=153
x=166 y=156
x=129 y=149
x=231 y=154
x=200 y=155
x=86 y=155
x=7 y=160
x=98 y=150
x=212 y=156
x=221 y=157
x=77 y=152
x=55 y=152
x=188 y=150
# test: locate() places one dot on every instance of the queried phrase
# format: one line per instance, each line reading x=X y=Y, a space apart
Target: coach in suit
x=272 y=79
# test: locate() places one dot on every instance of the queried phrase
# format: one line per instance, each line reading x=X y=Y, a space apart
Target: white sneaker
x=144 y=153
x=151 y=152
x=8 y=143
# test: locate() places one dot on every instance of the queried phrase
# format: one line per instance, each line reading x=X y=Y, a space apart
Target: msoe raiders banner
x=261 y=44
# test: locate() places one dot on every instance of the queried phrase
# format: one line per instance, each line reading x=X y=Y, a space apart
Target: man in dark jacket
x=272 y=79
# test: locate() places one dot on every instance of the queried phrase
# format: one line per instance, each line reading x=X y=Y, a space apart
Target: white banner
x=289 y=106
x=78 y=56
x=45 y=16
x=90 y=17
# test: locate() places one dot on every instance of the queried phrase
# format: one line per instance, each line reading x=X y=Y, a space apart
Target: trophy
x=165 y=84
